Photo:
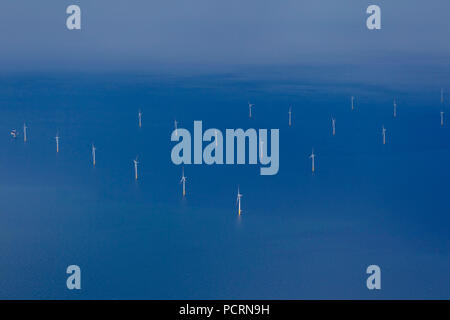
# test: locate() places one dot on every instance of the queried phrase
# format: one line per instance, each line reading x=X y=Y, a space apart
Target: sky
x=212 y=34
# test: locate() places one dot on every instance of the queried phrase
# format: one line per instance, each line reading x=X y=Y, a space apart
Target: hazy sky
x=140 y=34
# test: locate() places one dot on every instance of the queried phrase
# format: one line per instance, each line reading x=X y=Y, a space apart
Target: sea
x=301 y=235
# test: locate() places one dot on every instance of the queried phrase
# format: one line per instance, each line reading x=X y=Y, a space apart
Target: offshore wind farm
x=345 y=207
x=242 y=150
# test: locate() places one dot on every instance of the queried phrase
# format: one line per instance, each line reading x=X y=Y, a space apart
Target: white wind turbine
x=333 y=125
x=93 y=155
x=384 y=134
x=25 y=132
x=57 y=142
x=135 y=168
x=442 y=118
x=250 y=105
x=183 y=181
x=395 y=109
x=14 y=133
x=312 y=157
x=238 y=201
x=290 y=116
x=140 y=118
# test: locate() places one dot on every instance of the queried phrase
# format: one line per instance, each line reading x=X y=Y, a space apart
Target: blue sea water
x=301 y=235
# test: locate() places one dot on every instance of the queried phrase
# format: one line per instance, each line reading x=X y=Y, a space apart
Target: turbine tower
x=25 y=132
x=442 y=118
x=395 y=109
x=140 y=118
x=238 y=201
x=93 y=155
x=384 y=135
x=290 y=116
x=250 y=105
x=312 y=157
x=183 y=181
x=333 y=125
x=57 y=142
x=135 y=168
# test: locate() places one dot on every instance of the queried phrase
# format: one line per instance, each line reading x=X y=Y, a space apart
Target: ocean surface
x=300 y=236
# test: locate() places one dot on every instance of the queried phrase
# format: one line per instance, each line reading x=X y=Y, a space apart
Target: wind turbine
x=250 y=105
x=353 y=102
x=312 y=157
x=333 y=125
x=176 y=127
x=442 y=118
x=57 y=142
x=93 y=155
x=135 y=168
x=140 y=118
x=290 y=116
x=25 y=132
x=183 y=180
x=384 y=135
x=238 y=201
x=395 y=109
